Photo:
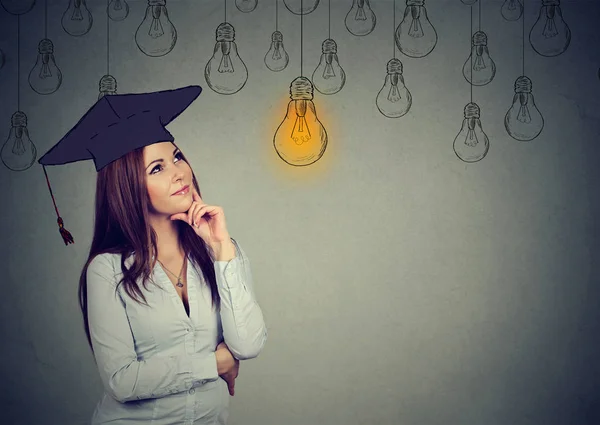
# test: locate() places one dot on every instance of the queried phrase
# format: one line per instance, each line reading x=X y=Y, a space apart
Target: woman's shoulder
x=103 y=261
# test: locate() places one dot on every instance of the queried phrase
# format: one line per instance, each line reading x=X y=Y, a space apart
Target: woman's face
x=166 y=173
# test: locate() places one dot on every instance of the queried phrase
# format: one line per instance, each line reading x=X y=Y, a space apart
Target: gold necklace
x=178 y=277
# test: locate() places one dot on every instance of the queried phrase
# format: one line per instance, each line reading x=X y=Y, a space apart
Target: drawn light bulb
x=246 y=5
x=329 y=77
x=17 y=7
x=550 y=35
x=512 y=10
x=360 y=20
x=225 y=72
x=300 y=139
x=276 y=58
x=471 y=144
x=117 y=10
x=523 y=121
x=156 y=36
x=77 y=19
x=45 y=77
x=394 y=100
x=415 y=36
x=469 y=2
x=18 y=152
x=301 y=7
x=479 y=68
x=1 y=58
x=107 y=86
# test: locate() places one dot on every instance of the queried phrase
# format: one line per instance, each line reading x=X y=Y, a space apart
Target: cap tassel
x=66 y=235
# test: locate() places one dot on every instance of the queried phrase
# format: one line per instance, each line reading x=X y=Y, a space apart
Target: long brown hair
x=121 y=226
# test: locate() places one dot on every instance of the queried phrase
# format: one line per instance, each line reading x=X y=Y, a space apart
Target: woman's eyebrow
x=160 y=159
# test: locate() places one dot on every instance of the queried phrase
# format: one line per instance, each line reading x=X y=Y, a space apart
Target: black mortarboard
x=116 y=125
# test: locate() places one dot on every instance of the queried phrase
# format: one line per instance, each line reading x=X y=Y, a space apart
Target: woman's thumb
x=178 y=216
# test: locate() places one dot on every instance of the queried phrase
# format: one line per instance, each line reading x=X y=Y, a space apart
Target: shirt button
x=192 y=391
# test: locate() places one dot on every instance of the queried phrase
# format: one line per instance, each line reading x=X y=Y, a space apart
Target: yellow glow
x=313 y=173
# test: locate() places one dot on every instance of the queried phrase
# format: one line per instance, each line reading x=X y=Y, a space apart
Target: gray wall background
x=400 y=285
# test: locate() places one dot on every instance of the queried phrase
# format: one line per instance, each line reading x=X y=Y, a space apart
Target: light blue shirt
x=158 y=365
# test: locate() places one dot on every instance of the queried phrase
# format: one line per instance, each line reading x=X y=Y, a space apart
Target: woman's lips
x=183 y=191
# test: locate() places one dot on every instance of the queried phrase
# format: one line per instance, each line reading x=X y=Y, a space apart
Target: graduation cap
x=116 y=125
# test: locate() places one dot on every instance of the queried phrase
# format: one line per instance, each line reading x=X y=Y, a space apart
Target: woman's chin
x=183 y=205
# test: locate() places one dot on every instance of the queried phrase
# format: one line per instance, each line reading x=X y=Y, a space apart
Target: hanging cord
x=301 y=36
x=471 y=48
x=523 y=40
x=66 y=235
x=394 y=31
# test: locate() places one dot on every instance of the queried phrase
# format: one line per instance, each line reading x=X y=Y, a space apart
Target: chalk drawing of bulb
x=329 y=77
x=301 y=7
x=550 y=35
x=77 y=19
x=511 y=10
x=360 y=20
x=276 y=58
x=17 y=7
x=156 y=36
x=246 y=5
x=18 y=152
x=394 y=100
x=225 y=72
x=107 y=86
x=471 y=144
x=45 y=77
x=117 y=10
x=479 y=68
x=415 y=36
x=300 y=139
x=523 y=121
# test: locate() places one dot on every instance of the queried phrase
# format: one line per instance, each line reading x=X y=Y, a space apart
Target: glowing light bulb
x=225 y=72
x=512 y=10
x=523 y=121
x=45 y=77
x=17 y=7
x=550 y=35
x=471 y=144
x=276 y=58
x=301 y=7
x=107 y=86
x=469 y=2
x=156 y=36
x=329 y=77
x=18 y=152
x=360 y=20
x=394 y=100
x=246 y=5
x=1 y=58
x=117 y=10
x=77 y=19
x=415 y=36
x=300 y=139
x=479 y=68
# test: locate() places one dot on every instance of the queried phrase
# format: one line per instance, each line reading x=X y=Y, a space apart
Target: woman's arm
x=244 y=328
x=125 y=377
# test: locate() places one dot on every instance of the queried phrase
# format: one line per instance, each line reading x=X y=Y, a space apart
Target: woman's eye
x=177 y=155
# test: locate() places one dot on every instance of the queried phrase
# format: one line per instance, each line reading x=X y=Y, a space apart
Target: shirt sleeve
x=125 y=377
x=244 y=328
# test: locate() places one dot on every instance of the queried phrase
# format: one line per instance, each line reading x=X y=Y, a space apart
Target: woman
x=167 y=296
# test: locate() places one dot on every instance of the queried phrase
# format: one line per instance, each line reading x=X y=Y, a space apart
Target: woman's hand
x=227 y=366
x=208 y=221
